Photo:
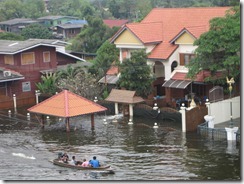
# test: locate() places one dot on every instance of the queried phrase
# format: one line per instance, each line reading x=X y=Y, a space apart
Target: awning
x=179 y=84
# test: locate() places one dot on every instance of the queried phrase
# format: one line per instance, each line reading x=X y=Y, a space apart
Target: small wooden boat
x=103 y=169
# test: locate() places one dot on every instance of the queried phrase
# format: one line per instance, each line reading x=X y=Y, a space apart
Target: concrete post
x=210 y=120
x=37 y=96
x=116 y=106
x=183 y=116
x=231 y=133
x=15 y=104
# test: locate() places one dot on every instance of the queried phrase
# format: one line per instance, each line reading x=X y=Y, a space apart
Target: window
x=186 y=58
x=27 y=58
x=9 y=59
x=46 y=56
x=26 y=86
x=72 y=31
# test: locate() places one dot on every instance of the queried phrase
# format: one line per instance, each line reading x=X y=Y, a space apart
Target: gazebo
x=67 y=104
x=124 y=97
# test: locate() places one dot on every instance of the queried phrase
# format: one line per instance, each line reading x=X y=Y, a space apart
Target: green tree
x=36 y=31
x=136 y=74
x=34 y=9
x=78 y=81
x=10 y=9
x=219 y=48
x=10 y=36
x=47 y=86
x=92 y=36
x=106 y=55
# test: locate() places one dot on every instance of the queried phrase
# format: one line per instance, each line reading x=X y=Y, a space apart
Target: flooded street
x=135 y=152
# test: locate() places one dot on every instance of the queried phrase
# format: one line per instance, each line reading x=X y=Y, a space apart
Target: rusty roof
x=124 y=96
x=66 y=104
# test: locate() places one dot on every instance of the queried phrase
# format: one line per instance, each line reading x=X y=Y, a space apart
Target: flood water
x=135 y=152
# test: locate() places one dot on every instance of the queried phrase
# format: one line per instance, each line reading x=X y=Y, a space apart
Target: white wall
x=221 y=110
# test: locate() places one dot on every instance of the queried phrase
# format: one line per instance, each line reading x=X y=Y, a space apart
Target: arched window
x=174 y=65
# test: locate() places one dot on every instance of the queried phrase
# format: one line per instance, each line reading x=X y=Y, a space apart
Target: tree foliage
x=92 y=36
x=10 y=36
x=219 y=48
x=136 y=74
x=78 y=81
x=36 y=31
x=106 y=55
x=47 y=86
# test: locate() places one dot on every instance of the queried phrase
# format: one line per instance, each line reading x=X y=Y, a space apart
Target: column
x=92 y=121
x=131 y=110
x=116 y=106
x=183 y=115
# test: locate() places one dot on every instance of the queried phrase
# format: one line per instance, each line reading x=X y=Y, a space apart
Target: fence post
x=208 y=118
x=15 y=104
x=183 y=115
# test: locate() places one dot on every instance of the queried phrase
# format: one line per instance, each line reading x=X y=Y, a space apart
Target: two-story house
x=71 y=28
x=23 y=62
x=168 y=35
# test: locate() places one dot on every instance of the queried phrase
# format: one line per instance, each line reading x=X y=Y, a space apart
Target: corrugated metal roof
x=66 y=104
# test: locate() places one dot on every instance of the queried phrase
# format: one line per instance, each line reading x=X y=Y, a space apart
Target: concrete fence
x=222 y=110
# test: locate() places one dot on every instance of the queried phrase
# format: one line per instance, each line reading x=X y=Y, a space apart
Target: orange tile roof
x=200 y=77
x=163 y=24
x=147 y=32
x=66 y=104
x=113 y=70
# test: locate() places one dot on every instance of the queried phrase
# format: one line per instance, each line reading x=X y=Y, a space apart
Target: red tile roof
x=115 y=23
x=113 y=70
x=147 y=32
x=66 y=104
x=164 y=24
x=200 y=77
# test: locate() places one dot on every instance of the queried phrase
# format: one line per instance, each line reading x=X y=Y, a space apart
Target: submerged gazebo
x=67 y=104
x=124 y=97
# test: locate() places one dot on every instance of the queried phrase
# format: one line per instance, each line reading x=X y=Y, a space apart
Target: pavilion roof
x=66 y=104
x=123 y=96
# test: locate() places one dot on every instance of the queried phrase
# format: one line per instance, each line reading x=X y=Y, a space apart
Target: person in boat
x=85 y=163
x=94 y=163
x=65 y=158
x=73 y=161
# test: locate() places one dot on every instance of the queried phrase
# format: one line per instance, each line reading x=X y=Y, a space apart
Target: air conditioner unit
x=6 y=73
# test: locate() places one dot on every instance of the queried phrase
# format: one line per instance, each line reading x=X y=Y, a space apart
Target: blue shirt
x=94 y=163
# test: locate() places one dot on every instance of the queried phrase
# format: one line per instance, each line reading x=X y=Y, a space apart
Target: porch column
x=67 y=125
x=92 y=121
x=131 y=110
x=120 y=55
x=116 y=106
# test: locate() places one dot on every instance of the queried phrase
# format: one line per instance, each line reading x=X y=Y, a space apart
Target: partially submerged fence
x=214 y=133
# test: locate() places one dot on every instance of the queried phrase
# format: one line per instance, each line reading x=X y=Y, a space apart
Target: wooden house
x=23 y=62
x=16 y=25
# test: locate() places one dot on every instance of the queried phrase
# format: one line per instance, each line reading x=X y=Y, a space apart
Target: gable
x=185 y=38
x=127 y=38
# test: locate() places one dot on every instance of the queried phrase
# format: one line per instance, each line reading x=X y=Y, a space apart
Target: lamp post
x=230 y=82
